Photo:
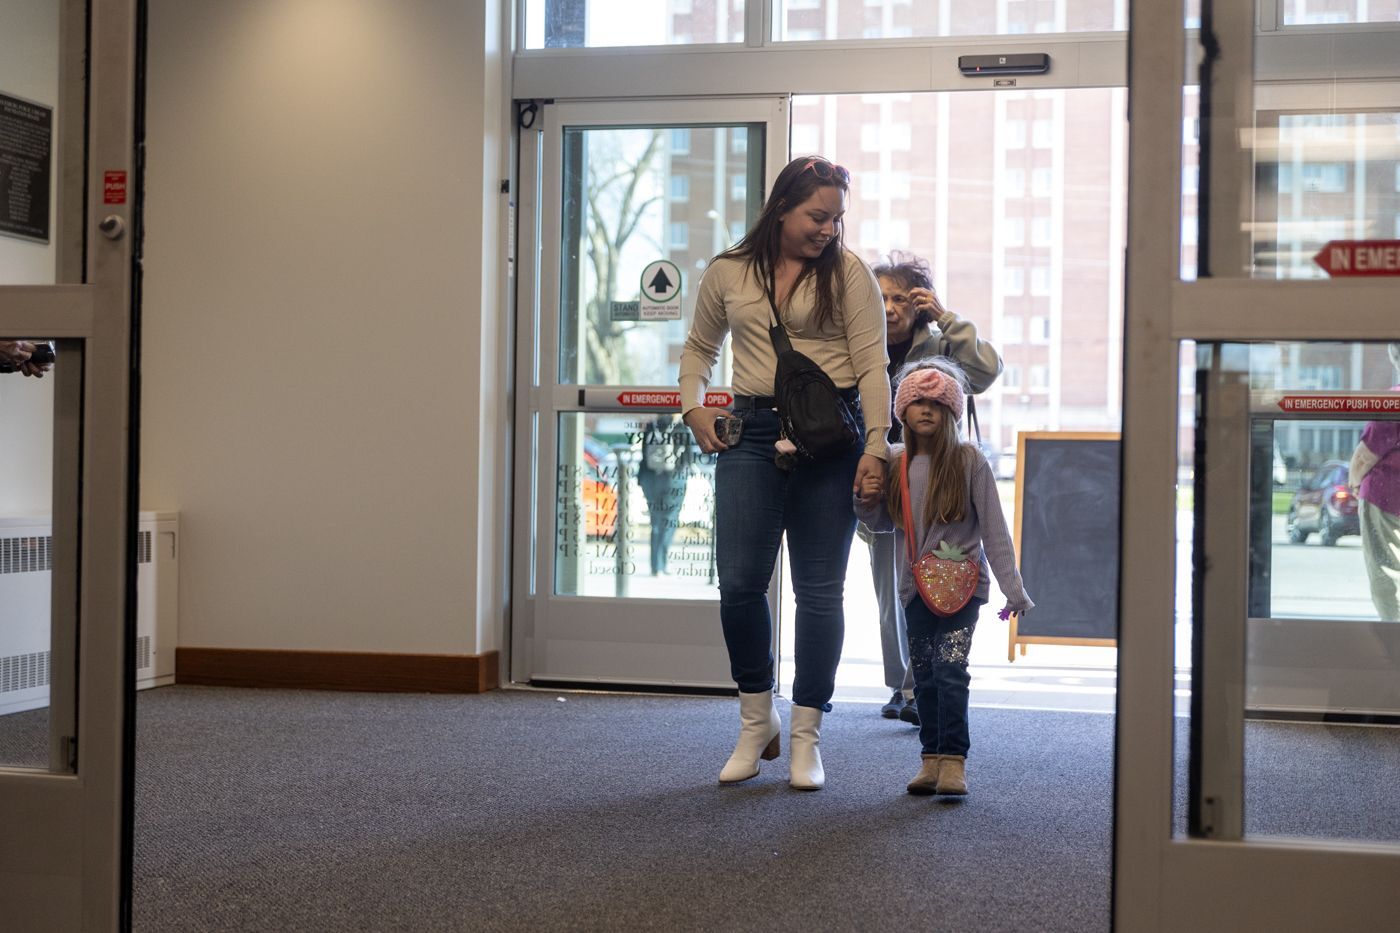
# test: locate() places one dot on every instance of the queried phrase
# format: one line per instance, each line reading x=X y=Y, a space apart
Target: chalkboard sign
x=1067 y=537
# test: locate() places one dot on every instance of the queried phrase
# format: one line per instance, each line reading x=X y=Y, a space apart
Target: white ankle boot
x=807 y=773
x=759 y=731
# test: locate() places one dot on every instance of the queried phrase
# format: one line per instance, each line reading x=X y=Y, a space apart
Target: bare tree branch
x=605 y=339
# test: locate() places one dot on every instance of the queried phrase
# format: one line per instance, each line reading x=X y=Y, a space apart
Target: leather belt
x=754 y=402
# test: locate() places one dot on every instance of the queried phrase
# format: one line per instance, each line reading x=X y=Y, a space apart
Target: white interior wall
x=323 y=360
x=28 y=69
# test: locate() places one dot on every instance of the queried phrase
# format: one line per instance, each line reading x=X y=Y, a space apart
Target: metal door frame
x=67 y=861
x=1225 y=883
x=539 y=397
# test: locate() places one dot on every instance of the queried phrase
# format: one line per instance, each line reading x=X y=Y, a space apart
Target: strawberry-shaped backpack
x=946 y=578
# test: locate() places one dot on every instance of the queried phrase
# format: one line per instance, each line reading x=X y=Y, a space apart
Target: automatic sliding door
x=1312 y=684
x=1015 y=198
x=615 y=521
x=1261 y=377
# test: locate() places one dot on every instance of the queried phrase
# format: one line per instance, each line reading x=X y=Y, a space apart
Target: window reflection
x=27 y=655
x=811 y=20
x=1333 y=12
x=1307 y=501
x=1322 y=177
x=634 y=196
x=634 y=513
x=1016 y=199
x=576 y=24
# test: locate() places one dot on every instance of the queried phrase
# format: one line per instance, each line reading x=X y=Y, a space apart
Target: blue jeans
x=938 y=647
x=756 y=502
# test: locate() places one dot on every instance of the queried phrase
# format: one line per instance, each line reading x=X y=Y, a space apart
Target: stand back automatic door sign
x=660 y=289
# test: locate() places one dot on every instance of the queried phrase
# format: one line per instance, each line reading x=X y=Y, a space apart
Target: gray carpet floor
x=310 y=811
x=279 y=810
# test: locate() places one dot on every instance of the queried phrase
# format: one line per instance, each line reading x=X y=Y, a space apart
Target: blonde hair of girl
x=949 y=457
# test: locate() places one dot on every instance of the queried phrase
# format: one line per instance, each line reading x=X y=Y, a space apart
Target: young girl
x=952 y=499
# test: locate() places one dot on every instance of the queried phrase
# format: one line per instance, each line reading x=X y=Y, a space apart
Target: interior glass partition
x=41 y=162
x=1322 y=175
x=1312 y=478
x=38 y=645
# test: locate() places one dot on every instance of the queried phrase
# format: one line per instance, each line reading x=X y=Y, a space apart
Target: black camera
x=42 y=355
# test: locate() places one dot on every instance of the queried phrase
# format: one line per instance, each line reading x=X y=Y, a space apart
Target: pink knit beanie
x=932 y=384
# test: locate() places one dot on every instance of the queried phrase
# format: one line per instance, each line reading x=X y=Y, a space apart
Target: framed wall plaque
x=26 y=157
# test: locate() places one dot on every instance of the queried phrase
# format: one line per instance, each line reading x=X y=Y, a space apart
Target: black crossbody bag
x=813 y=412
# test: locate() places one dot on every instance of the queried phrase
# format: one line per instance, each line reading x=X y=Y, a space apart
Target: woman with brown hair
x=790 y=269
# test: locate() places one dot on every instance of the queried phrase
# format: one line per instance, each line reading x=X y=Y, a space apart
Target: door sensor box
x=1027 y=63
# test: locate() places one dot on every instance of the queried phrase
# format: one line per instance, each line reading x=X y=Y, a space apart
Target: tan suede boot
x=952 y=775
x=926 y=782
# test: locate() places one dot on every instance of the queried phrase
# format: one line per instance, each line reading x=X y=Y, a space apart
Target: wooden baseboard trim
x=338 y=670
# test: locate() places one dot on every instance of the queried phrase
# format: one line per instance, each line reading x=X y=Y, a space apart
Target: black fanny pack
x=813 y=412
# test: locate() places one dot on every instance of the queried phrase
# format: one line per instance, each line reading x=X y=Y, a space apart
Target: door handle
x=112 y=227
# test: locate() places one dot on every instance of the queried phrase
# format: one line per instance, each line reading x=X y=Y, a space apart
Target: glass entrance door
x=1251 y=393
x=68 y=237
x=622 y=206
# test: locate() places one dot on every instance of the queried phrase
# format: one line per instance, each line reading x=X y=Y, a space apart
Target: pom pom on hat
x=934 y=385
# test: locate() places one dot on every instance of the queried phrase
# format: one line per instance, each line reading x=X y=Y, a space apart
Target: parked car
x=1324 y=504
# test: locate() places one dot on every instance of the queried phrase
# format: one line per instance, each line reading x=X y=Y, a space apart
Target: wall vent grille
x=24 y=671
x=143 y=547
x=26 y=555
x=143 y=652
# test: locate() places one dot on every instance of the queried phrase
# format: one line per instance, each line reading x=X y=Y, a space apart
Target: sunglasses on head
x=827 y=171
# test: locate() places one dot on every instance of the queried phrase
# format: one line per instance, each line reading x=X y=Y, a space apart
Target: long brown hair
x=949 y=457
x=761 y=246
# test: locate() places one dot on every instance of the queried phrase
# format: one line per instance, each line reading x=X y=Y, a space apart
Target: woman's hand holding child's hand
x=869 y=488
x=869 y=466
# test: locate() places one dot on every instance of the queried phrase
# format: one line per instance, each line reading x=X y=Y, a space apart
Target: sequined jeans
x=938 y=647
